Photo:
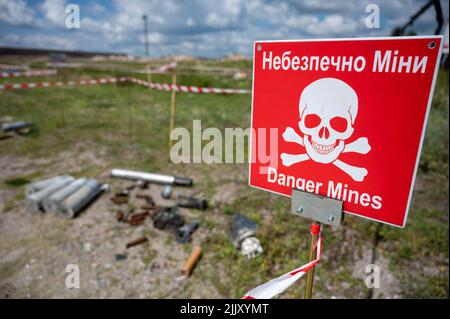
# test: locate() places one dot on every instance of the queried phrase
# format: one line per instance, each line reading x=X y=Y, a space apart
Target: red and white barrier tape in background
x=188 y=88
x=111 y=67
x=157 y=86
x=278 y=285
x=13 y=67
x=165 y=67
x=30 y=85
x=27 y=73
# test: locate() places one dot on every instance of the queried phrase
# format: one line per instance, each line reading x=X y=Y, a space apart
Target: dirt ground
x=36 y=249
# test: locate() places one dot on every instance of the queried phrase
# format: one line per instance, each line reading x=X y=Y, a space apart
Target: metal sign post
x=310 y=276
x=322 y=210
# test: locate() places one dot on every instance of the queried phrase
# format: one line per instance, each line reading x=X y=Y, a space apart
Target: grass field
x=90 y=130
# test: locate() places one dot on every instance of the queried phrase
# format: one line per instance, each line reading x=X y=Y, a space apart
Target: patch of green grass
x=429 y=287
x=426 y=235
x=19 y=181
x=16 y=182
x=435 y=153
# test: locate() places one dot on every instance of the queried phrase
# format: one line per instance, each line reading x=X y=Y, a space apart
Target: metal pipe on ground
x=152 y=177
x=75 y=202
x=35 y=201
x=39 y=185
x=52 y=203
x=16 y=126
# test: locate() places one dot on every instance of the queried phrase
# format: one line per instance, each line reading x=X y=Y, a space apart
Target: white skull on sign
x=328 y=108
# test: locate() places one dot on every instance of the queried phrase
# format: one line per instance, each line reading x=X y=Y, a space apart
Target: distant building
x=234 y=57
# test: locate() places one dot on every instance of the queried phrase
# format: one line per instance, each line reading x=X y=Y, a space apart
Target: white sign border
x=424 y=127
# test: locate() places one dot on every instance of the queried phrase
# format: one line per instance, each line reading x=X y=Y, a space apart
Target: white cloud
x=153 y=38
x=213 y=20
x=54 y=11
x=16 y=12
x=333 y=24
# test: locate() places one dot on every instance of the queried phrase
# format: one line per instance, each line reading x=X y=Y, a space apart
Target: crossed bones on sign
x=360 y=145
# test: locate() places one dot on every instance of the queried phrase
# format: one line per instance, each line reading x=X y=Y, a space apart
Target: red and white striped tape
x=165 y=67
x=278 y=285
x=157 y=86
x=13 y=67
x=30 y=85
x=188 y=88
x=27 y=73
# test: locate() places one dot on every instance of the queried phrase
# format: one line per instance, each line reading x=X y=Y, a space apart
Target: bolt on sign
x=343 y=118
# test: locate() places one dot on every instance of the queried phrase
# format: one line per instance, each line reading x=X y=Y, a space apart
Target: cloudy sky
x=197 y=27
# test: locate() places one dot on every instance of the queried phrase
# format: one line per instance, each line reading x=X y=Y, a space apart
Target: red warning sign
x=343 y=118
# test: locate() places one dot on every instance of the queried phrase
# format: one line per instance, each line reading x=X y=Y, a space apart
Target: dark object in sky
x=144 y=17
x=401 y=30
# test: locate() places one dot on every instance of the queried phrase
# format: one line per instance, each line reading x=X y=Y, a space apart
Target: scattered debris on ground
x=243 y=234
x=192 y=261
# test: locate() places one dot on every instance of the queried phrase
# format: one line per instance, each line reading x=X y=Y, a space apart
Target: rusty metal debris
x=136 y=242
x=136 y=222
x=138 y=216
x=133 y=219
x=137 y=219
x=120 y=215
x=120 y=198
